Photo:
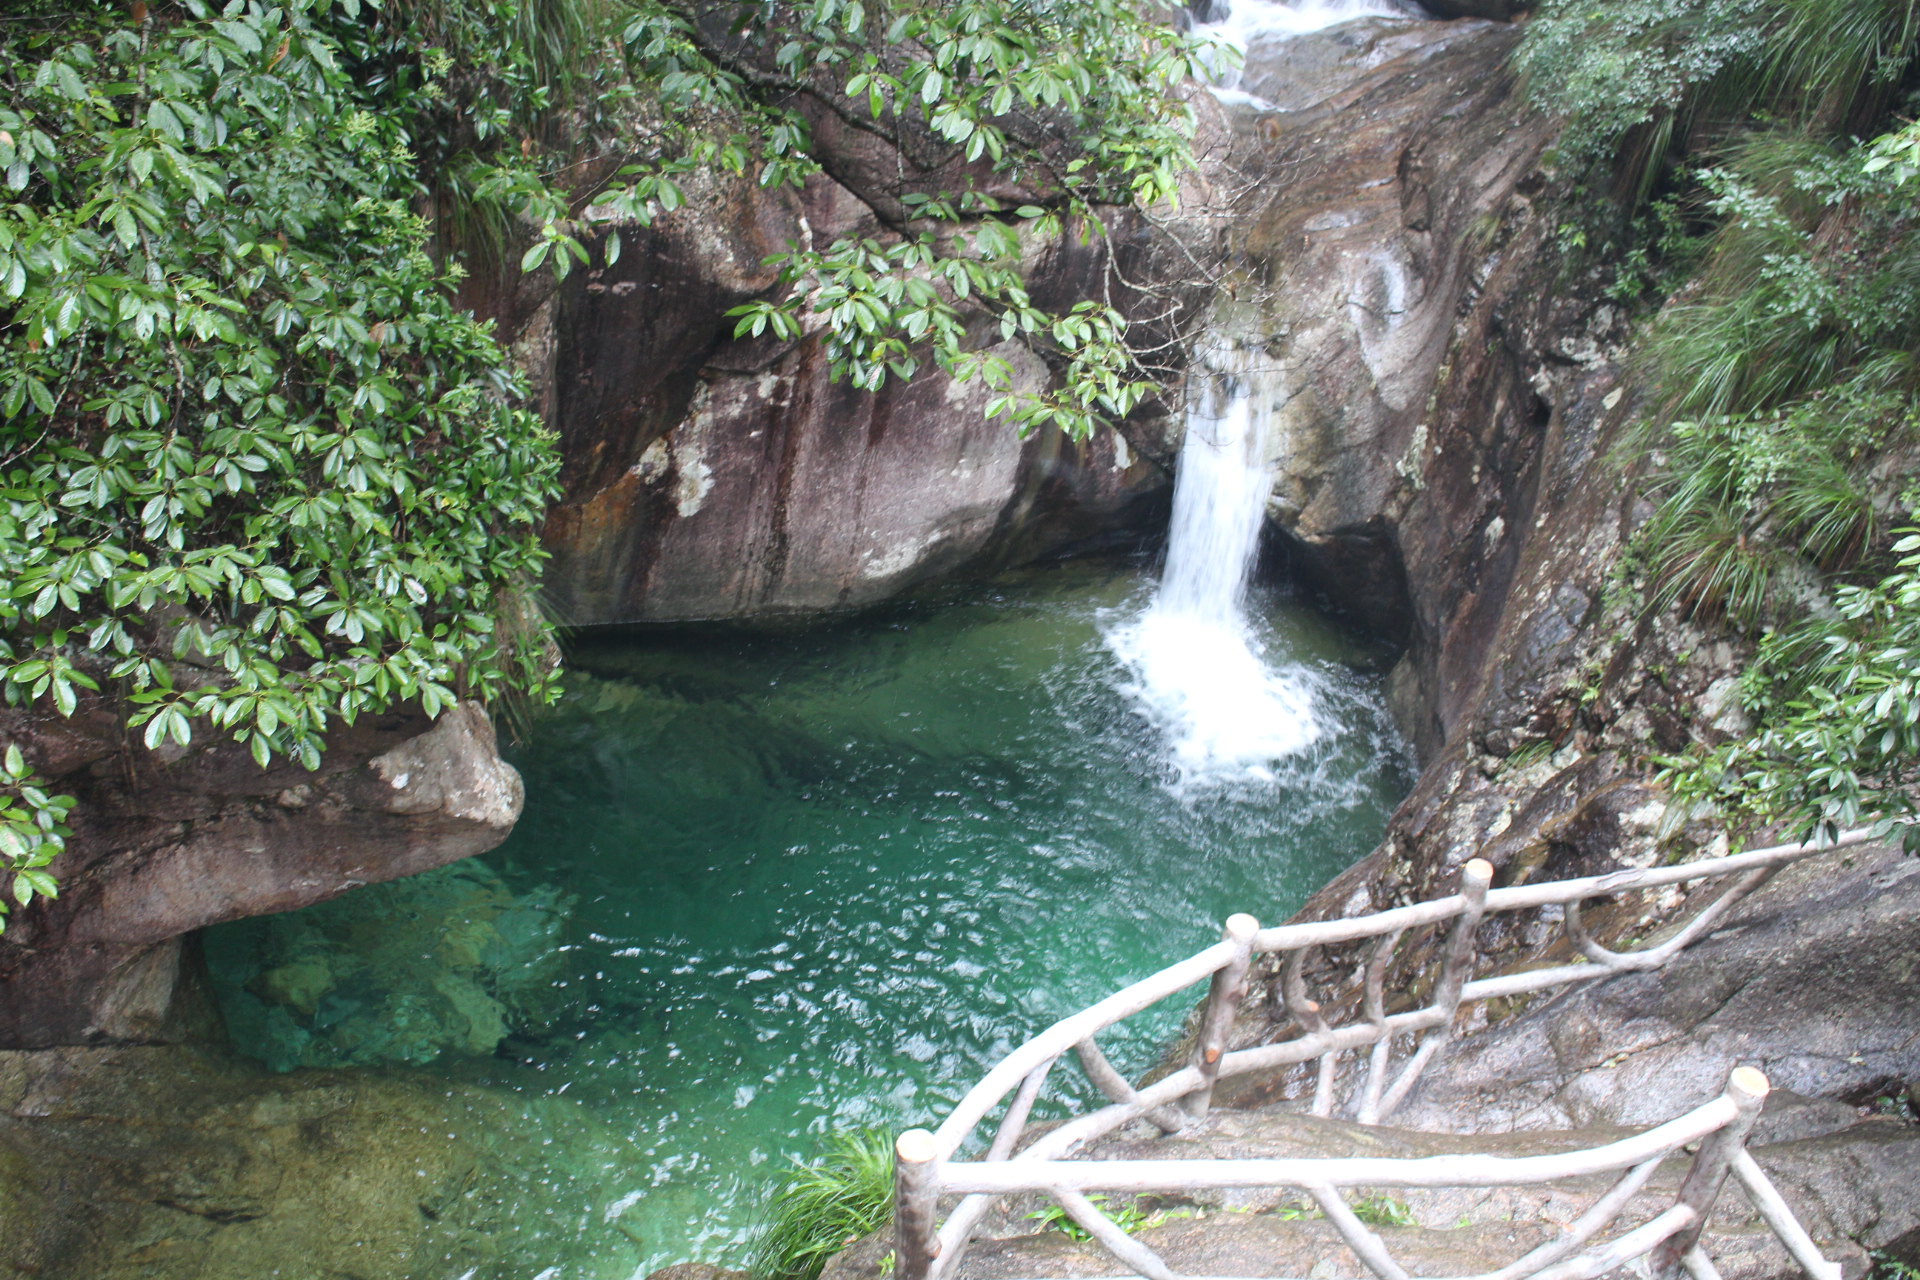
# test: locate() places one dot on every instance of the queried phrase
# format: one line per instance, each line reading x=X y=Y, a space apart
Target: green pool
x=768 y=886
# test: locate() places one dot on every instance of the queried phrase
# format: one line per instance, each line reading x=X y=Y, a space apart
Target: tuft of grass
x=1383 y=1211
x=1129 y=1217
x=820 y=1207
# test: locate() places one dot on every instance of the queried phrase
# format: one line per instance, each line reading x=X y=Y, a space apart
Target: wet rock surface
x=1380 y=204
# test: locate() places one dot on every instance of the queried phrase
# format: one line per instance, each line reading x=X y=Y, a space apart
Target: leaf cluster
x=1074 y=104
x=1786 y=373
x=33 y=831
x=257 y=472
x=1078 y=106
x=1839 y=709
x=1641 y=81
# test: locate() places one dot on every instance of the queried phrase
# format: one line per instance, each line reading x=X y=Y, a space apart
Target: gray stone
x=1814 y=980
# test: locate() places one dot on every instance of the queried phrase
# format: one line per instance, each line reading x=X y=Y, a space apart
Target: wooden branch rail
x=929 y=1166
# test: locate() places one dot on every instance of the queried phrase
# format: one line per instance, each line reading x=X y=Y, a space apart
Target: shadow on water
x=768 y=886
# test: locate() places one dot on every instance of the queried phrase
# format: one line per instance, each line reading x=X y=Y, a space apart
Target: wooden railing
x=929 y=1167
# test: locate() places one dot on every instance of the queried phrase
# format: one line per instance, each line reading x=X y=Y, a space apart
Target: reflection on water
x=815 y=880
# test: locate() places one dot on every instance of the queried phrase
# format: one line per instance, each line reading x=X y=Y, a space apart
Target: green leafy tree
x=257 y=472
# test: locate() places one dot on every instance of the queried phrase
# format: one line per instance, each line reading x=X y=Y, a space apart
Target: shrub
x=256 y=469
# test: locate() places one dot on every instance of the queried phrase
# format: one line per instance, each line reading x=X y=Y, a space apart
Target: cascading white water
x=1198 y=668
x=1246 y=19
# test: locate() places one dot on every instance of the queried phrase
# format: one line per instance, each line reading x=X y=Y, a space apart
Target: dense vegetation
x=1765 y=135
x=260 y=473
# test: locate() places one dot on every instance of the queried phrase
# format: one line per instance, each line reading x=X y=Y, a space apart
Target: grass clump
x=1383 y=1211
x=1129 y=1217
x=820 y=1207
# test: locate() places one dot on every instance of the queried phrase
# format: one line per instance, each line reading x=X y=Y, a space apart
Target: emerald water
x=771 y=886
x=768 y=886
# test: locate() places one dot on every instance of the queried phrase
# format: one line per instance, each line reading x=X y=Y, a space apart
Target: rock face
x=1454 y=405
x=1381 y=186
x=166 y=843
x=708 y=477
x=1815 y=981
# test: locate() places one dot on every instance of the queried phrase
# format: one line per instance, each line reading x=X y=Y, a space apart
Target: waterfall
x=1248 y=18
x=1237 y=23
x=1245 y=19
x=1198 y=667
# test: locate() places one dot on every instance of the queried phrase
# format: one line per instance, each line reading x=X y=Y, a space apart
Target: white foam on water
x=1198 y=669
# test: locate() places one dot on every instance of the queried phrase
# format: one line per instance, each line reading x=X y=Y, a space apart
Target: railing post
x=1455 y=961
x=1748 y=1089
x=1223 y=1002
x=916 y=1196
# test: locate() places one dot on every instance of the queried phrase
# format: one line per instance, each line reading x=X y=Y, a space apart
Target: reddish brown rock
x=165 y=844
x=708 y=477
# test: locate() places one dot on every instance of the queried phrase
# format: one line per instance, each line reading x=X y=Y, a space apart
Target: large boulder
x=709 y=477
x=168 y=842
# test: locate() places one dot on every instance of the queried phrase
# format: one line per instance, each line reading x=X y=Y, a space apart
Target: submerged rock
x=450 y=961
x=166 y=1163
x=163 y=846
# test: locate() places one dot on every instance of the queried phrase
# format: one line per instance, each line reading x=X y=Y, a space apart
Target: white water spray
x=1246 y=19
x=1199 y=670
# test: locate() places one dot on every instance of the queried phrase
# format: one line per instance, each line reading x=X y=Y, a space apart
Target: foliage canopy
x=1039 y=117
x=256 y=470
